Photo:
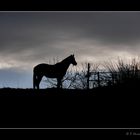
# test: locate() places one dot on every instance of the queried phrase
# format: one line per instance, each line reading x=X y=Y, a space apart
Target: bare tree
x=81 y=81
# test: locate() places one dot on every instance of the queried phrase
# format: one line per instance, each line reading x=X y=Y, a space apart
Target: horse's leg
x=59 y=84
x=39 y=77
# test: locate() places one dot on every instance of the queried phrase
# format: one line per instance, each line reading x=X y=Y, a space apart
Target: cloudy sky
x=30 y=38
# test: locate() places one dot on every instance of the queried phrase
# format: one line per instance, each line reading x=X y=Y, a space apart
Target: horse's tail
x=34 y=79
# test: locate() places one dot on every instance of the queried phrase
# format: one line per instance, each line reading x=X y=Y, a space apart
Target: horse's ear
x=72 y=54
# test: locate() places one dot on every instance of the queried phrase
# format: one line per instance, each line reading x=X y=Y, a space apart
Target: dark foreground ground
x=98 y=108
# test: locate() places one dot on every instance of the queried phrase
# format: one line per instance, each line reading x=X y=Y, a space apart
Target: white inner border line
x=72 y=128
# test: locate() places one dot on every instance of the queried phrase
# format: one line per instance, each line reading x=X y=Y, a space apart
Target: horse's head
x=73 y=60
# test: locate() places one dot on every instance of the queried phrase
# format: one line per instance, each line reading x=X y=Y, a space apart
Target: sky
x=30 y=38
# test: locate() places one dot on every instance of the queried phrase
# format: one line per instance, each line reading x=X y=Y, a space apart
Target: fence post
x=88 y=75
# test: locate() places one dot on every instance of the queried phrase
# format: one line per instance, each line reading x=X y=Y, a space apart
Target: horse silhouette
x=57 y=71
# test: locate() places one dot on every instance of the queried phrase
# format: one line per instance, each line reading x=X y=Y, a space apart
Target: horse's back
x=45 y=69
x=41 y=67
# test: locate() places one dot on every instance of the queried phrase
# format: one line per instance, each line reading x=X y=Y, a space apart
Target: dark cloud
x=25 y=30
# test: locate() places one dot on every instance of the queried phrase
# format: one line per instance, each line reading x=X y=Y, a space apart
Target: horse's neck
x=65 y=64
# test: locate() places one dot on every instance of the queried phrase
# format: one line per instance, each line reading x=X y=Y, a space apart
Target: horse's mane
x=65 y=59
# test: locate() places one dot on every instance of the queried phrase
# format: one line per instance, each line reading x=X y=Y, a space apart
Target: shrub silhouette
x=123 y=73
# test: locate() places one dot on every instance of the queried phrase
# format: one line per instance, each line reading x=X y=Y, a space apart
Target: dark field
x=98 y=108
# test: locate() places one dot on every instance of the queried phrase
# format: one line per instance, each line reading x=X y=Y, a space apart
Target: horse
x=57 y=71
